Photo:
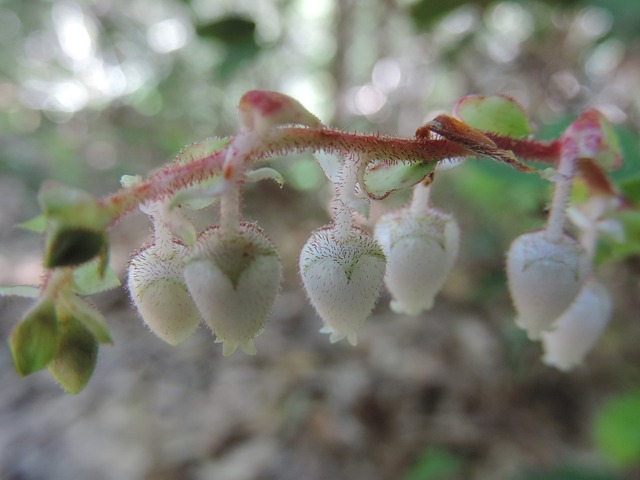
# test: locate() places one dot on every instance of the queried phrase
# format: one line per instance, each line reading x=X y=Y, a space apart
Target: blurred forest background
x=92 y=90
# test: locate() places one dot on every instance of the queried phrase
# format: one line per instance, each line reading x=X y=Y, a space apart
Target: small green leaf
x=34 y=341
x=497 y=114
x=382 y=178
x=36 y=224
x=89 y=279
x=27 y=291
x=76 y=357
x=69 y=246
x=616 y=429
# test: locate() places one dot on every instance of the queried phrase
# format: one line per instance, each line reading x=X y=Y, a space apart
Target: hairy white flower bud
x=421 y=248
x=342 y=277
x=579 y=327
x=234 y=280
x=544 y=278
x=159 y=292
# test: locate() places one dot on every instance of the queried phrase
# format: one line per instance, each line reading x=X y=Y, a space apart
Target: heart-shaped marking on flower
x=342 y=277
x=234 y=280
x=421 y=248
x=544 y=278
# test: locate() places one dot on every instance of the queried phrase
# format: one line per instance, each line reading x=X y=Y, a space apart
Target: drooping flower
x=234 y=280
x=342 y=275
x=544 y=278
x=421 y=247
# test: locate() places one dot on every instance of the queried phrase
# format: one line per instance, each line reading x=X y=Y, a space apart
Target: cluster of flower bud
x=229 y=281
x=556 y=299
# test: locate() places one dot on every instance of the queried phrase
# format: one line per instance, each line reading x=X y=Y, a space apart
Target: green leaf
x=76 y=357
x=37 y=224
x=34 y=341
x=69 y=246
x=497 y=114
x=27 y=291
x=89 y=278
x=435 y=464
x=616 y=429
x=382 y=178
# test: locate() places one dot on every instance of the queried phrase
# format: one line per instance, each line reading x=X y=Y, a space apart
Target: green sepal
x=73 y=306
x=72 y=207
x=70 y=246
x=382 y=178
x=76 y=225
x=264 y=173
x=34 y=341
x=76 y=356
x=200 y=194
x=497 y=114
x=94 y=277
x=37 y=224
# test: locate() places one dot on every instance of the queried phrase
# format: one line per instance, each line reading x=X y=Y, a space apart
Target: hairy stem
x=174 y=177
x=564 y=178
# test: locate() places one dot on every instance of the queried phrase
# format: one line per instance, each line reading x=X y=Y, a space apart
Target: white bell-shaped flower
x=579 y=327
x=160 y=294
x=544 y=278
x=234 y=280
x=421 y=247
x=342 y=275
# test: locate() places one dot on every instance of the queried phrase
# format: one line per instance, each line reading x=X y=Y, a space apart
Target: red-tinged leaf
x=470 y=138
x=594 y=178
x=261 y=110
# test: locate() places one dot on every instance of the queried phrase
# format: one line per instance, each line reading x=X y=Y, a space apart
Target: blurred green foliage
x=616 y=429
x=435 y=464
